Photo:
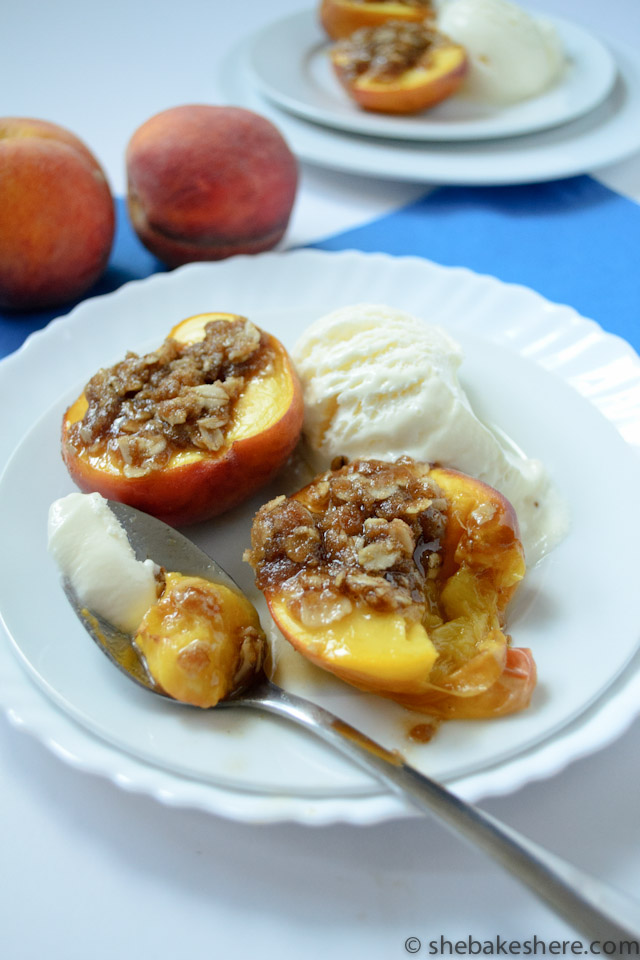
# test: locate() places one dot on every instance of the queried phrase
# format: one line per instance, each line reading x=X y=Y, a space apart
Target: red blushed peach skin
x=56 y=215
x=418 y=88
x=196 y=485
x=340 y=18
x=207 y=182
x=457 y=663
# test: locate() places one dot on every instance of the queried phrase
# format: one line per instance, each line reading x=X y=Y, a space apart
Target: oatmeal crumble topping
x=369 y=532
x=144 y=409
x=387 y=51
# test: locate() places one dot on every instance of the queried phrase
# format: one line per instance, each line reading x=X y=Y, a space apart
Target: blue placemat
x=574 y=241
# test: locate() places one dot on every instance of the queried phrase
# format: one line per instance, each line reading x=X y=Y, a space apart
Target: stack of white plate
x=589 y=118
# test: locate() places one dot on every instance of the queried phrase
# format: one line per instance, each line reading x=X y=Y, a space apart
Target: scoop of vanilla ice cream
x=380 y=383
x=512 y=55
x=92 y=551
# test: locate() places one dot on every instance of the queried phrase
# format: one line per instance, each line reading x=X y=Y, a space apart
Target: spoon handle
x=590 y=906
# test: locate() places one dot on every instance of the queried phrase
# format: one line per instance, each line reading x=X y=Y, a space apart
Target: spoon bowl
x=151 y=539
x=587 y=904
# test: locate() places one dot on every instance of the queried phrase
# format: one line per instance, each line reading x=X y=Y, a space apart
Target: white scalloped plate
x=542 y=372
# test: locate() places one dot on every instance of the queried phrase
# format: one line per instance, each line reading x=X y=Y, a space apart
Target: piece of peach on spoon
x=595 y=910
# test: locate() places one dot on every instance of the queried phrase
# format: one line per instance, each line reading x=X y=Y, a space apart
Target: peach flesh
x=196 y=643
x=418 y=88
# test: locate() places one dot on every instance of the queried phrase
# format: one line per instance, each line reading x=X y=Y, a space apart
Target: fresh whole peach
x=206 y=182
x=186 y=436
x=56 y=215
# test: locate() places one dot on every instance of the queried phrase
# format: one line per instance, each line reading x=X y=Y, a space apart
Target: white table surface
x=91 y=872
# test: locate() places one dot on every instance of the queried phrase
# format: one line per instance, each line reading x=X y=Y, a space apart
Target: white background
x=91 y=872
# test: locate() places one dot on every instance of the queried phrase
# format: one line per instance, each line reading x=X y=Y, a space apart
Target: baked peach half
x=192 y=429
x=399 y=68
x=201 y=641
x=395 y=577
x=340 y=18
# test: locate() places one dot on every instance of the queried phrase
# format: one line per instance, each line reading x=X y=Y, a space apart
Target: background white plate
x=289 y=60
x=608 y=133
x=255 y=768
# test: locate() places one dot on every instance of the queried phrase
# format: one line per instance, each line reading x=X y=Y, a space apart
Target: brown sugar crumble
x=424 y=732
x=145 y=408
x=367 y=533
x=384 y=52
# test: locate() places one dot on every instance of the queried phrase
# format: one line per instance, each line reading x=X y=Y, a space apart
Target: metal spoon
x=591 y=907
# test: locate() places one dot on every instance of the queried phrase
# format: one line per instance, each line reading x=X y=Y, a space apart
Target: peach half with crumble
x=399 y=68
x=193 y=428
x=395 y=577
